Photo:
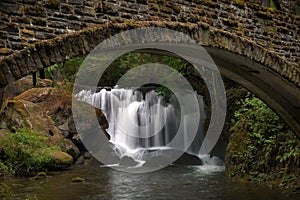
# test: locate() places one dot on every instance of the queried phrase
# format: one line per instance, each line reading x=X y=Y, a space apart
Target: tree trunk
x=34 y=80
x=42 y=74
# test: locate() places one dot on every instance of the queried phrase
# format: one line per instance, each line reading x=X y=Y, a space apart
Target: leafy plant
x=269 y=145
x=24 y=152
x=67 y=70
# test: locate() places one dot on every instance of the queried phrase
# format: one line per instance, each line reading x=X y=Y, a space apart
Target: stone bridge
x=256 y=46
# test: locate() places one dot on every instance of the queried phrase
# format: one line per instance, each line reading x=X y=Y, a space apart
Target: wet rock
x=78 y=180
x=102 y=120
x=71 y=127
x=93 y=136
x=188 y=159
x=71 y=149
x=61 y=160
x=165 y=157
x=64 y=129
x=85 y=160
x=157 y=161
x=40 y=175
x=80 y=160
x=77 y=141
x=87 y=155
x=128 y=161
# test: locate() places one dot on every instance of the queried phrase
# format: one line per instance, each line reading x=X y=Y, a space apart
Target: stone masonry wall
x=25 y=22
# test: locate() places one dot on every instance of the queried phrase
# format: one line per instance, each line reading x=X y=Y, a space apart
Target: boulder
x=55 y=101
x=60 y=160
x=20 y=114
x=85 y=119
x=128 y=161
x=14 y=89
x=188 y=159
x=86 y=160
x=157 y=161
x=49 y=110
x=71 y=149
x=163 y=157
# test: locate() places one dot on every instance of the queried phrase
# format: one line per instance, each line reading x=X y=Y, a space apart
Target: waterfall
x=140 y=121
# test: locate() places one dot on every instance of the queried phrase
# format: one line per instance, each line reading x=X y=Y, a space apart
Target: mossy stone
x=78 y=180
x=40 y=175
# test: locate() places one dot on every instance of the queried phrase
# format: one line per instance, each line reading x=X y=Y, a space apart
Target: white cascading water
x=134 y=116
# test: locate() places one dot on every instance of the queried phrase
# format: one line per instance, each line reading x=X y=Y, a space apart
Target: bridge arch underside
x=277 y=92
x=268 y=76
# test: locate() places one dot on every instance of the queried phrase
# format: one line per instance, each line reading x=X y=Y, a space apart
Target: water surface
x=173 y=182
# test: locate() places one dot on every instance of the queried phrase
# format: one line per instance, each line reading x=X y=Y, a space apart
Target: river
x=173 y=182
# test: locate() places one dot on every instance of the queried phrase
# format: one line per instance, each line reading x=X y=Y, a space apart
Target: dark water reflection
x=174 y=182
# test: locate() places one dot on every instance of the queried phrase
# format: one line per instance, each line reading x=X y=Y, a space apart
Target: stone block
x=77 y=2
x=35 y=10
x=9 y=78
x=39 y=21
x=31 y=2
x=74 y=25
x=52 y=4
x=14 y=67
x=20 y=19
x=3 y=34
x=57 y=24
x=2 y=43
x=11 y=9
x=16 y=45
x=26 y=32
x=66 y=8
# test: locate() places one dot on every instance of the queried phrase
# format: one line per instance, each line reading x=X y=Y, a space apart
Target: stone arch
x=271 y=77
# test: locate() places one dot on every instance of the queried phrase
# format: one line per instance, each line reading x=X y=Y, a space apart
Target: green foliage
x=265 y=145
x=70 y=68
x=67 y=69
x=119 y=67
x=272 y=4
x=257 y=117
x=24 y=152
x=3 y=168
x=130 y=60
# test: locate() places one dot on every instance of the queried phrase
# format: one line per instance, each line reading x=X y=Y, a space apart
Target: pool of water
x=173 y=182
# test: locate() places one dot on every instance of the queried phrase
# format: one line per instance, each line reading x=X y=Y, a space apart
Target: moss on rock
x=60 y=159
x=78 y=180
x=40 y=175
